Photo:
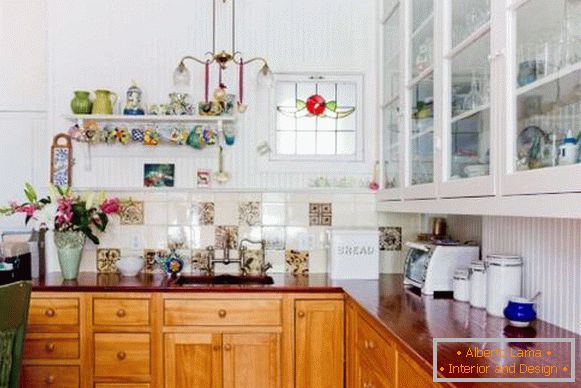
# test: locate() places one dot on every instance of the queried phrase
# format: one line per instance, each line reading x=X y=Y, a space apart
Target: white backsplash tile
x=226 y=211
x=179 y=213
x=155 y=213
x=273 y=214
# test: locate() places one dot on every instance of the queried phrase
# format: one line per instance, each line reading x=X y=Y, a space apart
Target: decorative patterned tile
x=199 y=260
x=131 y=212
x=178 y=237
x=275 y=238
x=249 y=213
x=254 y=260
x=224 y=232
x=206 y=213
x=149 y=256
x=390 y=238
x=297 y=262
x=107 y=260
x=320 y=214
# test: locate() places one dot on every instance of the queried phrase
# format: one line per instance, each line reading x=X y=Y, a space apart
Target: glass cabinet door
x=420 y=95
x=545 y=94
x=469 y=120
x=391 y=37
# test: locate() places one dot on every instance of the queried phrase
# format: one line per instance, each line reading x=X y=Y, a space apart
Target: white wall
x=23 y=89
x=107 y=43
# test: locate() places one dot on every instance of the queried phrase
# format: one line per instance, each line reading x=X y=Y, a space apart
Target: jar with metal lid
x=478 y=284
x=461 y=285
x=503 y=280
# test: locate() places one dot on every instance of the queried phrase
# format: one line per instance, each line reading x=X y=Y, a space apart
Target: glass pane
x=345 y=143
x=306 y=143
x=285 y=143
x=467 y=17
x=422 y=132
x=548 y=109
x=422 y=36
x=548 y=38
x=326 y=143
x=391 y=147
x=391 y=50
x=470 y=138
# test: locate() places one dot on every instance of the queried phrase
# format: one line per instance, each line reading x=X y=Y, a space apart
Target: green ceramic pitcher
x=81 y=104
x=104 y=101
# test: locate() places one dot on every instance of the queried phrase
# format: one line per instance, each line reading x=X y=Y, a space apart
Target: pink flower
x=111 y=206
x=26 y=209
x=64 y=213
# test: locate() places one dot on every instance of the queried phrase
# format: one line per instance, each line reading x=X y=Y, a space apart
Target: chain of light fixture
x=222 y=58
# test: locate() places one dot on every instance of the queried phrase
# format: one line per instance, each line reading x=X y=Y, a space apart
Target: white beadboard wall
x=551 y=250
x=107 y=43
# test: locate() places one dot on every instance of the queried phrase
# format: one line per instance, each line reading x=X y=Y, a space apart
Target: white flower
x=45 y=217
x=89 y=200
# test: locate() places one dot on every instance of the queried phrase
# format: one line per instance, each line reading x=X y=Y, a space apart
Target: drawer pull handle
x=49 y=379
x=227 y=347
x=121 y=356
x=222 y=313
x=49 y=347
x=49 y=313
x=301 y=314
x=121 y=313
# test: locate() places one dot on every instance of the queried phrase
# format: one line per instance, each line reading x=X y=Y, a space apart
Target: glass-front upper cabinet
x=390 y=101
x=544 y=84
x=420 y=108
x=466 y=154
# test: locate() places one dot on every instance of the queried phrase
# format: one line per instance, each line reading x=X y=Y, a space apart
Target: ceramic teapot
x=104 y=102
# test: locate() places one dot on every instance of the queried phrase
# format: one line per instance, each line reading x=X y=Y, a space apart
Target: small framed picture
x=158 y=175
x=203 y=178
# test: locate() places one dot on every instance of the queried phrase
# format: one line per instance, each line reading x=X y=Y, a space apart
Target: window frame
x=354 y=78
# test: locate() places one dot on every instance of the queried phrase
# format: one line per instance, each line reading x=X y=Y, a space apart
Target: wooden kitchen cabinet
x=252 y=360
x=50 y=376
x=182 y=351
x=319 y=343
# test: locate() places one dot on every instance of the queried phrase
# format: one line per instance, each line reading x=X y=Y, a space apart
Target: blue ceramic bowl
x=520 y=311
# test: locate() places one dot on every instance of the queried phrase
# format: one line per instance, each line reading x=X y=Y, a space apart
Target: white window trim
x=317 y=164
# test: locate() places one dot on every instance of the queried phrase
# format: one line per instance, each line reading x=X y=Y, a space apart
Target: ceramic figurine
x=172 y=264
x=81 y=104
x=179 y=104
x=133 y=105
x=104 y=102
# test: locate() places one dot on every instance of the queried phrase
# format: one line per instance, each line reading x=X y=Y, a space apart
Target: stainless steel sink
x=223 y=279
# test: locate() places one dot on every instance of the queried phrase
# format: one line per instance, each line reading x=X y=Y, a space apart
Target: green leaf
x=331 y=105
x=89 y=233
x=30 y=193
x=301 y=105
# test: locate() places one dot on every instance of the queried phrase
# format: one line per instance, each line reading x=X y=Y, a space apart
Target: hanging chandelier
x=182 y=76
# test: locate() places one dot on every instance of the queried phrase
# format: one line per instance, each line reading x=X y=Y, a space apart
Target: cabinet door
x=252 y=360
x=193 y=360
x=410 y=375
x=319 y=336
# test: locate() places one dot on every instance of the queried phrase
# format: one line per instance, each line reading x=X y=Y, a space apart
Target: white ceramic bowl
x=130 y=266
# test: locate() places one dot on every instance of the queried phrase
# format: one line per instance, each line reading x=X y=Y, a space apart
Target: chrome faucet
x=226 y=260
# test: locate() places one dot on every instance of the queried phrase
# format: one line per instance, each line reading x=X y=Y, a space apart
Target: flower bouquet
x=72 y=217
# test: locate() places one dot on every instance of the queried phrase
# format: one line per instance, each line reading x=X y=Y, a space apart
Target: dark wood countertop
x=412 y=320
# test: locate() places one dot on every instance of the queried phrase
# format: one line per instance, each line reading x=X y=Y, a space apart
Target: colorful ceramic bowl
x=520 y=311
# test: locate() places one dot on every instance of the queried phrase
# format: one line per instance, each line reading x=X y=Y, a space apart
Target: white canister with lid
x=461 y=285
x=478 y=284
x=503 y=280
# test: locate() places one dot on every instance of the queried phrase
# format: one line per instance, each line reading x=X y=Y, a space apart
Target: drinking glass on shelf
x=474 y=98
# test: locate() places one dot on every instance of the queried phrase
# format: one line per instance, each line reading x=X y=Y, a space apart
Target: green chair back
x=14 y=303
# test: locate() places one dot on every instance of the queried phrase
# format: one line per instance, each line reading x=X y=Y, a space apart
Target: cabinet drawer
x=51 y=346
x=371 y=377
x=46 y=312
x=121 y=312
x=50 y=376
x=410 y=375
x=122 y=355
x=116 y=385
x=375 y=351
x=220 y=312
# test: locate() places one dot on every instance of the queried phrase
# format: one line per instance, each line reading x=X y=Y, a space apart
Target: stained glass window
x=317 y=118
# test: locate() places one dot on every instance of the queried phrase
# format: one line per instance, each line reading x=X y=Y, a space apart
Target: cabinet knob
x=121 y=313
x=49 y=379
x=222 y=313
x=121 y=356
x=370 y=344
x=227 y=347
x=49 y=347
x=301 y=314
x=49 y=313
x=216 y=348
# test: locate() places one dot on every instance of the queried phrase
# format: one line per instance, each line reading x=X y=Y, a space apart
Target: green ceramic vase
x=81 y=104
x=70 y=251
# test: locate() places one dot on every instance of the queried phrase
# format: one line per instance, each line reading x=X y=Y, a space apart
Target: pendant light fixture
x=182 y=76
